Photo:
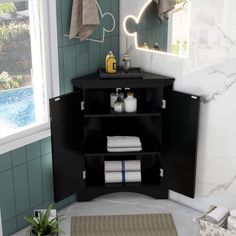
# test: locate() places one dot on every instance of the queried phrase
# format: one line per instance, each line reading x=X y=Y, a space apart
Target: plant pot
x=32 y=234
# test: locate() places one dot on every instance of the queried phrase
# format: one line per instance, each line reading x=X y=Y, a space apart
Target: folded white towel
x=123 y=141
x=122 y=177
x=217 y=215
x=131 y=165
x=223 y=221
x=122 y=149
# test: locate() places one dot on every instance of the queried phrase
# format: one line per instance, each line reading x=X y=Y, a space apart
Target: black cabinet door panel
x=181 y=118
x=66 y=134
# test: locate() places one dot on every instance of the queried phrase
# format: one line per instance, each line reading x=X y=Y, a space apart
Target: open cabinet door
x=181 y=118
x=67 y=133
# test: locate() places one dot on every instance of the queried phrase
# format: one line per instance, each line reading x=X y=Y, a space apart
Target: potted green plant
x=43 y=225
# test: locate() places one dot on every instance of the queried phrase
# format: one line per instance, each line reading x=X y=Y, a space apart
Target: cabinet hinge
x=84 y=174
x=163 y=104
x=82 y=105
x=161 y=172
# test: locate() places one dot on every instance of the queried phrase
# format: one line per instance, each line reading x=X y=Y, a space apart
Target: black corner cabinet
x=166 y=122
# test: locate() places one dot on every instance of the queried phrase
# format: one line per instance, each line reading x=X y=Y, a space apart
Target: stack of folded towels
x=122 y=171
x=123 y=144
x=218 y=216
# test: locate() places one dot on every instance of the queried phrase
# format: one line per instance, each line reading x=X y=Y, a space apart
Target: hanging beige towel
x=84 y=18
x=164 y=6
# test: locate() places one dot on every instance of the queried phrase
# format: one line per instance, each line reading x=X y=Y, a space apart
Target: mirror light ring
x=137 y=19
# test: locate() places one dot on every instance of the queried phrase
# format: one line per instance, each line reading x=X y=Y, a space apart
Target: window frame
x=34 y=132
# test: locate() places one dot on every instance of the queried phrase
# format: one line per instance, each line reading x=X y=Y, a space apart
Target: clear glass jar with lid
x=119 y=105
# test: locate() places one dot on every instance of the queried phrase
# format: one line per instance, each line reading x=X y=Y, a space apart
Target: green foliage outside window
x=12 y=31
x=8 y=82
x=7 y=8
x=179 y=1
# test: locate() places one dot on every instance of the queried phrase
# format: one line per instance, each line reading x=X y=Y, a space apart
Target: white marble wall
x=210 y=70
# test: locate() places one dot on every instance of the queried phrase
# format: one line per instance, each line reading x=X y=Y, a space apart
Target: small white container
x=114 y=96
x=231 y=222
x=119 y=105
x=130 y=103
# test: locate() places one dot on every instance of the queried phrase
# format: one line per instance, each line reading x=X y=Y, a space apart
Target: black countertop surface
x=148 y=80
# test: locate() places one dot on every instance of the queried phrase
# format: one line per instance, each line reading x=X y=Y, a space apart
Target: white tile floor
x=130 y=203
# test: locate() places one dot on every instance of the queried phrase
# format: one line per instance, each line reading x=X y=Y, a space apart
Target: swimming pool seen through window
x=24 y=80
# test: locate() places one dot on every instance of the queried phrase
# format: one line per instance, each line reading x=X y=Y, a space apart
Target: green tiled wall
x=20 y=191
x=26 y=181
x=81 y=58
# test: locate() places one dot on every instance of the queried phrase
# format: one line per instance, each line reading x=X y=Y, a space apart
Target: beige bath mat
x=124 y=225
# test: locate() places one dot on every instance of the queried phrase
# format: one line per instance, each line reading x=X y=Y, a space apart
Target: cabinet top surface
x=148 y=80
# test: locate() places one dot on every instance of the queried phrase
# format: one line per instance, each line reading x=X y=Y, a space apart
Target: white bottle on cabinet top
x=130 y=102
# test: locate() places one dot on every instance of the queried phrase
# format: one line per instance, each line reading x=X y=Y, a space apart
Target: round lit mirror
x=169 y=33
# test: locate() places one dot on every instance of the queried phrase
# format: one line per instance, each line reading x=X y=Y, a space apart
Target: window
x=25 y=59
